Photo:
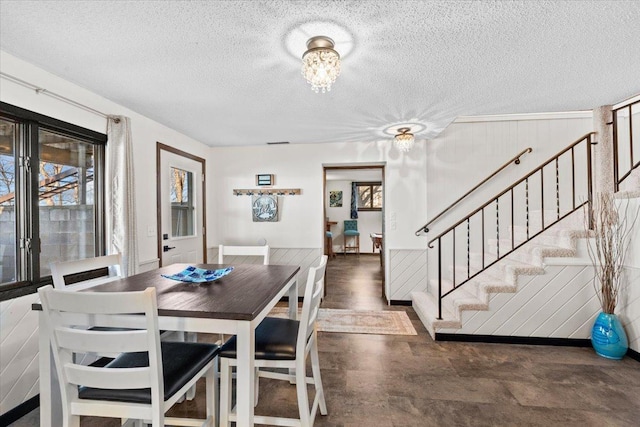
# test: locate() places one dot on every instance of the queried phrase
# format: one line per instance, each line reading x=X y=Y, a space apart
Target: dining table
x=234 y=304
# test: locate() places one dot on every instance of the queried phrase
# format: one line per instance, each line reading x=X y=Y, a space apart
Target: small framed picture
x=335 y=199
x=264 y=179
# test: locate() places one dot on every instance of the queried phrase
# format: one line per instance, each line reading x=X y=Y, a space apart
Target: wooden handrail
x=516 y=160
x=493 y=199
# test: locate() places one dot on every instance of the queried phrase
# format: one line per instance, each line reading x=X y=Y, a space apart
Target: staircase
x=540 y=229
x=560 y=241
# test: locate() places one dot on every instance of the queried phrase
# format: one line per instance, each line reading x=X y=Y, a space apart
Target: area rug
x=359 y=322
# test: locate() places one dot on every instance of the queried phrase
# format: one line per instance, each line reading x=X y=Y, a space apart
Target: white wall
x=368 y=222
x=301 y=222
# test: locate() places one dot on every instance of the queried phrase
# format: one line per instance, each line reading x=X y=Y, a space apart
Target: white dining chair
x=232 y=252
x=147 y=377
x=83 y=273
x=256 y=251
x=283 y=343
x=62 y=271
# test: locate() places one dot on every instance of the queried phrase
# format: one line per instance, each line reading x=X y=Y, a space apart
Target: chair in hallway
x=284 y=343
x=261 y=251
x=147 y=377
x=351 y=232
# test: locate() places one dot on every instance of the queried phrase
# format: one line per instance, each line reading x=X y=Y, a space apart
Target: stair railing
x=622 y=116
x=515 y=160
x=579 y=173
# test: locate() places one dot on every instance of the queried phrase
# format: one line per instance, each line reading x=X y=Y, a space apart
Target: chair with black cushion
x=147 y=377
x=242 y=251
x=283 y=343
x=88 y=272
x=351 y=232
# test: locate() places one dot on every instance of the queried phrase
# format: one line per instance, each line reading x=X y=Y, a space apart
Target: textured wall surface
x=18 y=352
x=558 y=304
x=407 y=273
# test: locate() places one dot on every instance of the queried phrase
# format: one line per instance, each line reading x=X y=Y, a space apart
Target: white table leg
x=245 y=386
x=293 y=300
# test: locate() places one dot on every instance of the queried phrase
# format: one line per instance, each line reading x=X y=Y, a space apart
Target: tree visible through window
x=369 y=196
x=51 y=197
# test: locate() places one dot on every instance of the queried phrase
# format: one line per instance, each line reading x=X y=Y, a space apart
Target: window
x=51 y=197
x=182 y=209
x=369 y=196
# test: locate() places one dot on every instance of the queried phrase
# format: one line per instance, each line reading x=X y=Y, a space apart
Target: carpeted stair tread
x=426 y=307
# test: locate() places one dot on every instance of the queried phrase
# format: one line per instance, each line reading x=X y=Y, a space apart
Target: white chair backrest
x=61 y=269
x=311 y=303
x=262 y=251
x=68 y=315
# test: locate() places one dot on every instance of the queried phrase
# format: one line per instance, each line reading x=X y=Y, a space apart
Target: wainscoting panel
x=558 y=304
x=304 y=257
x=18 y=352
x=629 y=307
x=407 y=273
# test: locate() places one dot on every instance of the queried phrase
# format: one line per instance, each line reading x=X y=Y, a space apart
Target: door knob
x=167 y=248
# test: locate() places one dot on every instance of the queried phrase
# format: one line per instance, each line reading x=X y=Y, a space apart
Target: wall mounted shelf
x=267 y=191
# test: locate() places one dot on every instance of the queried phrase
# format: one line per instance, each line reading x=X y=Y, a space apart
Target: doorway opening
x=354 y=200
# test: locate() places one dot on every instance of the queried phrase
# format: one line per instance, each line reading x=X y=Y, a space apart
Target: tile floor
x=384 y=381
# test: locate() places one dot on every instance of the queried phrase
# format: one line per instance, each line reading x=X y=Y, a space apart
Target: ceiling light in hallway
x=320 y=63
x=404 y=140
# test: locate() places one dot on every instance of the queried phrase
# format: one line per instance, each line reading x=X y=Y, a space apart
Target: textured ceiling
x=228 y=72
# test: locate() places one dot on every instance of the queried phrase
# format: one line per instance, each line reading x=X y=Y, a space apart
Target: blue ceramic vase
x=608 y=337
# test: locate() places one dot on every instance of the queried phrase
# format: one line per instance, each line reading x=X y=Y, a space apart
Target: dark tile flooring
x=384 y=380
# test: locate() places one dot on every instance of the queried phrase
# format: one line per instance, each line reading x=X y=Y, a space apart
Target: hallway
x=354 y=282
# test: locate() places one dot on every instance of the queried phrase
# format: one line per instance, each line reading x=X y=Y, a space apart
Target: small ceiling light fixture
x=320 y=64
x=404 y=140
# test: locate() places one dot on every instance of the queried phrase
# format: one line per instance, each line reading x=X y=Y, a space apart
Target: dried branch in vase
x=608 y=247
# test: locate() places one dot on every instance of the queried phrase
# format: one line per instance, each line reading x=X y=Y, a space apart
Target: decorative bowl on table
x=199 y=275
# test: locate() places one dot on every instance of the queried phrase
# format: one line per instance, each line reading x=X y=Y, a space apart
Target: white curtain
x=120 y=206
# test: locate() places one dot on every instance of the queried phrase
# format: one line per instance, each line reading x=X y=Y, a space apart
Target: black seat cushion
x=180 y=362
x=275 y=340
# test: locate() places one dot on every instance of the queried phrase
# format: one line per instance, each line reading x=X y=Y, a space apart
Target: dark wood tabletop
x=240 y=295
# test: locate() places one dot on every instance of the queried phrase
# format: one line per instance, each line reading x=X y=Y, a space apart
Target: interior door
x=181 y=200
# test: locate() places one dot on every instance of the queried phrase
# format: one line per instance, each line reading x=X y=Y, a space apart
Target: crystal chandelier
x=404 y=140
x=320 y=64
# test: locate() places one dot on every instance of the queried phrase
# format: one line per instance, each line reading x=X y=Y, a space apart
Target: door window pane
x=7 y=202
x=181 y=199
x=66 y=199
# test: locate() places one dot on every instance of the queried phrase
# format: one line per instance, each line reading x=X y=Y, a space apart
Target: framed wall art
x=335 y=199
x=264 y=208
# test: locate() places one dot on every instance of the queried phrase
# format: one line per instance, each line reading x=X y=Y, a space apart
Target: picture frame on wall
x=264 y=208
x=335 y=199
